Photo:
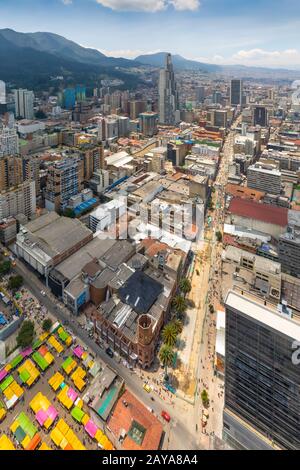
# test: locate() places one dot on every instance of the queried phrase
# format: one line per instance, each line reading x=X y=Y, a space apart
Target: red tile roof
x=258 y=211
x=244 y=192
x=122 y=419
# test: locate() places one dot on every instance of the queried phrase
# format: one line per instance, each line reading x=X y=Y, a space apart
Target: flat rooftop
x=263 y=314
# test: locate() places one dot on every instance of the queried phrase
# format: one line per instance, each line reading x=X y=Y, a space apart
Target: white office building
x=24 y=101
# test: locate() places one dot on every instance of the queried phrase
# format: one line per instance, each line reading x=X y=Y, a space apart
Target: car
x=109 y=352
x=147 y=388
x=43 y=293
x=166 y=416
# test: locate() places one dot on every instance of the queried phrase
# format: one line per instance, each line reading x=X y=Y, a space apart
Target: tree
x=219 y=236
x=47 y=323
x=211 y=308
x=26 y=334
x=169 y=335
x=166 y=356
x=204 y=397
x=5 y=268
x=185 y=285
x=178 y=325
x=15 y=282
x=179 y=303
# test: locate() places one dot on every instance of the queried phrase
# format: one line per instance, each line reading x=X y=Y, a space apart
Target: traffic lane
x=132 y=381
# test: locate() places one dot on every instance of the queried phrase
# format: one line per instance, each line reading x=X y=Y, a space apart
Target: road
x=176 y=428
x=182 y=432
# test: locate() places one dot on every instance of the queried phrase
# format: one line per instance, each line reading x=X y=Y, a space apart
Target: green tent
x=24 y=376
x=16 y=361
x=77 y=414
x=19 y=434
x=6 y=383
x=66 y=363
x=63 y=335
x=40 y=360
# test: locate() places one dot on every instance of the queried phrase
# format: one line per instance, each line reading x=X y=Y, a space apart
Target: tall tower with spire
x=168 y=93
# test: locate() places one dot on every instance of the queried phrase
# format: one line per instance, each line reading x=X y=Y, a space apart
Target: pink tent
x=3 y=373
x=52 y=413
x=91 y=428
x=72 y=394
x=41 y=417
x=78 y=351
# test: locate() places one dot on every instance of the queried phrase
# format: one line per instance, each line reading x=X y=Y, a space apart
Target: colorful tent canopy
x=56 y=381
x=5 y=443
x=77 y=414
x=40 y=360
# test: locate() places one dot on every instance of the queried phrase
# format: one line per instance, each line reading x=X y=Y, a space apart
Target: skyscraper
x=262 y=379
x=236 y=92
x=3 y=105
x=260 y=116
x=168 y=94
x=24 y=101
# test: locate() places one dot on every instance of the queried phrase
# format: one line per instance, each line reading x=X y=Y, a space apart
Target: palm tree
x=185 y=285
x=169 y=335
x=166 y=356
x=178 y=325
x=179 y=303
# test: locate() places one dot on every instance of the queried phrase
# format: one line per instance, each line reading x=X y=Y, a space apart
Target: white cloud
x=127 y=53
x=185 y=4
x=67 y=2
x=289 y=58
x=149 y=5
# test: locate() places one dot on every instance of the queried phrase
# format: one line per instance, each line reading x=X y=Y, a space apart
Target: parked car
x=166 y=416
x=147 y=388
x=109 y=352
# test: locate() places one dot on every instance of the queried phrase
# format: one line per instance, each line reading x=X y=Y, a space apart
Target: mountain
x=62 y=48
x=241 y=71
x=31 y=59
x=179 y=62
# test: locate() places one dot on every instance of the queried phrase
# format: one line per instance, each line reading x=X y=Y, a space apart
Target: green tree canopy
x=185 y=285
x=26 y=334
x=15 y=282
x=47 y=323
x=178 y=325
x=166 y=356
x=5 y=268
x=179 y=303
x=169 y=334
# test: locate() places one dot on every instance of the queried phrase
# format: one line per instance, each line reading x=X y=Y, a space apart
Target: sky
x=257 y=32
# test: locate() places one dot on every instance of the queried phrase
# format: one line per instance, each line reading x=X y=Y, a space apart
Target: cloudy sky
x=256 y=32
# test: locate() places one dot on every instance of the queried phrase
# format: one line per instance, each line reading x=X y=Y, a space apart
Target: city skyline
x=214 y=31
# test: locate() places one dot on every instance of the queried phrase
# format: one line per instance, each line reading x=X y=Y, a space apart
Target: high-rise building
x=123 y=126
x=3 y=106
x=262 y=381
x=24 y=104
x=19 y=200
x=148 y=123
x=11 y=172
x=200 y=94
x=168 y=94
x=260 y=116
x=2 y=92
x=80 y=93
x=136 y=107
x=236 y=92
x=64 y=181
x=69 y=98
x=289 y=246
x=9 y=141
x=264 y=177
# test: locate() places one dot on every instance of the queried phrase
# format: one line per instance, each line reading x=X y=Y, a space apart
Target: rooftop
x=124 y=417
x=258 y=211
x=140 y=291
x=262 y=314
